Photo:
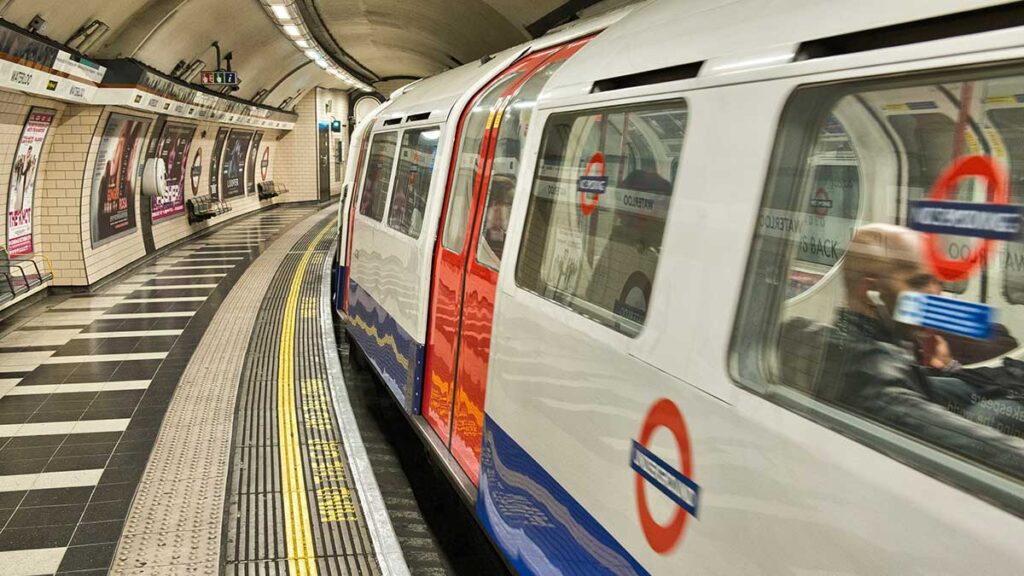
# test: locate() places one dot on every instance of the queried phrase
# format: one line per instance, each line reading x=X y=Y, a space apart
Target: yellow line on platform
x=298 y=529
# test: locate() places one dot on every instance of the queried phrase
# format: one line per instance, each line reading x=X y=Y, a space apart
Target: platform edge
x=385 y=541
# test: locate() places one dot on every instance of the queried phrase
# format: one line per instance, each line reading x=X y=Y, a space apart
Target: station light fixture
x=290 y=22
x=280 y=11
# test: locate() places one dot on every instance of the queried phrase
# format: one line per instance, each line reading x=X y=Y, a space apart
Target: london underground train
x=714 y=287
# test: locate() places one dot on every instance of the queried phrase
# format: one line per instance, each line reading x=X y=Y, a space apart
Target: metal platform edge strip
x=386 y=547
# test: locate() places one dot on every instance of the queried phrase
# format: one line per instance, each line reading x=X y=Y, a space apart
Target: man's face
x=908 y=274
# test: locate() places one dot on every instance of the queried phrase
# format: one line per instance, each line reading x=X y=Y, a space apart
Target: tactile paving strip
x=175 y=523
x=263 y=535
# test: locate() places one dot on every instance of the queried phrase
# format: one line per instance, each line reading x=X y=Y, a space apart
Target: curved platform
x=191 y=419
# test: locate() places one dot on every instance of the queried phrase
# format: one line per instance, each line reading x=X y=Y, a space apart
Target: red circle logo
x=998 y=193
x=664 y=414
x=588 y=205
x=821 y=203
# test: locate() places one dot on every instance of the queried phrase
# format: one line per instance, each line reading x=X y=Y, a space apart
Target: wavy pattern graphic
x=540 y=527
x=387 y=341
x=397 y=358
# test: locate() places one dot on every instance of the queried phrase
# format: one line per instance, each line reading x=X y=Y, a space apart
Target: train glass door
x=354 y=195
x=480 y=192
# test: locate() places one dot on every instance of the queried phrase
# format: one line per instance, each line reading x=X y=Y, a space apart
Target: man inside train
x=904 y=376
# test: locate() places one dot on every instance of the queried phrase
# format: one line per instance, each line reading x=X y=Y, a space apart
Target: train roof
x=435 y=96
x=736 y=35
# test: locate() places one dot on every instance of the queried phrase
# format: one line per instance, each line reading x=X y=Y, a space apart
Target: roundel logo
x=196 y=171
x=676 y=484
x=265 y=163
x=820 y=202
x=989 y=221
x=593 y=183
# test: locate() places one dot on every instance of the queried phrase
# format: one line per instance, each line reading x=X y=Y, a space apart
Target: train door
x=481 y=186
x=351 y=220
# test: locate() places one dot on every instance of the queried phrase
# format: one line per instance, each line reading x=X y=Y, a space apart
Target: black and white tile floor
x=84 y=386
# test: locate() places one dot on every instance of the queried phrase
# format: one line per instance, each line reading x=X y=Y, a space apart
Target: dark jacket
x=866 y=368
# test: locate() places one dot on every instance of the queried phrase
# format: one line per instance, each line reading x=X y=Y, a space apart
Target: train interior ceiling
x=511 y=286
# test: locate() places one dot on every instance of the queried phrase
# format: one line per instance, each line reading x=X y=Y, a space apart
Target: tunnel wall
x=297 y=151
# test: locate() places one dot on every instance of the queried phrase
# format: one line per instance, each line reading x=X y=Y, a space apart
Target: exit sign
x=219 y=78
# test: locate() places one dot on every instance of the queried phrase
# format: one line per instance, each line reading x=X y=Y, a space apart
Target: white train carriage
x=663 y=394
x=435 y=154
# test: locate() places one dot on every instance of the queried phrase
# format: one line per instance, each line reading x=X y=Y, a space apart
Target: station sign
x=219 y=78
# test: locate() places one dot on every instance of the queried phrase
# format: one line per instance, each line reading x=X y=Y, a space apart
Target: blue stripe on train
x=339 y=281
x=540 y=527
x=394 y=354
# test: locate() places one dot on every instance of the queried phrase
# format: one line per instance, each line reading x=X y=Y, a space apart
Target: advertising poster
x=250 y=164
x=21 y=192
x=116 y=176
x=232 y=165
x=173 y=147
x=218 y=149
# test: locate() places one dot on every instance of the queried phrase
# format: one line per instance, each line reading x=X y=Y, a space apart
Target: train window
x=598 y=206
x=833 y=206
x=412 y=180
x=1007 y=118
x=515 y=121
x=378 y=175
x=467 y=164
x=905 y=334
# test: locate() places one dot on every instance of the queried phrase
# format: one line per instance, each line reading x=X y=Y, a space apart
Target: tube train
x=712 y=287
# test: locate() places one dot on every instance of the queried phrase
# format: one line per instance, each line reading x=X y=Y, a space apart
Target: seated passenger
x=904 y=376
x=647 y=179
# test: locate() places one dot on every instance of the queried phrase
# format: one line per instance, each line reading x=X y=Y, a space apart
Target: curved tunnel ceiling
x=392 y=42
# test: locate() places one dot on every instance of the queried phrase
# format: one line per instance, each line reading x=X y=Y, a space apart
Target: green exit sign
x=219 y=78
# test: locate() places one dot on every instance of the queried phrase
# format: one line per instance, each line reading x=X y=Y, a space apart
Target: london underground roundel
x=986 y=221
x=675 y=483
x=196 y=171
x=592 y=183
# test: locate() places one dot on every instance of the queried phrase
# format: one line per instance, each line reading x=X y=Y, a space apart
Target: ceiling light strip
x=289 y=21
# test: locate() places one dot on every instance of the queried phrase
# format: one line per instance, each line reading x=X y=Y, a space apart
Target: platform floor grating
x=286 y=438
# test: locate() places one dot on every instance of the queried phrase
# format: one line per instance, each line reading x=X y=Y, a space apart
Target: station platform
x=192 y=418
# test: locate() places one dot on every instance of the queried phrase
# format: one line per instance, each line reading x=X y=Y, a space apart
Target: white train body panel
x=779 y=493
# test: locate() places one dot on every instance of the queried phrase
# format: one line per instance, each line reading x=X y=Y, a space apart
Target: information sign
x=219 y=78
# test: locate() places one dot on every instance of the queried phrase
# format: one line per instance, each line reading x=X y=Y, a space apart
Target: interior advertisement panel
x=232 y=165
x=250 y=164
x=21 y=192
x=173 y=148
x=116 y=176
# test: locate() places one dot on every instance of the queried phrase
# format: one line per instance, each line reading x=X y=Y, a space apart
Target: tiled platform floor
x=84 y=385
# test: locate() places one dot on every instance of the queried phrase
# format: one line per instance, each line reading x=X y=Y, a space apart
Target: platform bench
x=269 y=189
x=18 y=277
x=202 y=208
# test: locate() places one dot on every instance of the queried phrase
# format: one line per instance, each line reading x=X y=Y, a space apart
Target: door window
x=378 y=175
x=515 y=121
x=467 y=164
x=412 y=180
